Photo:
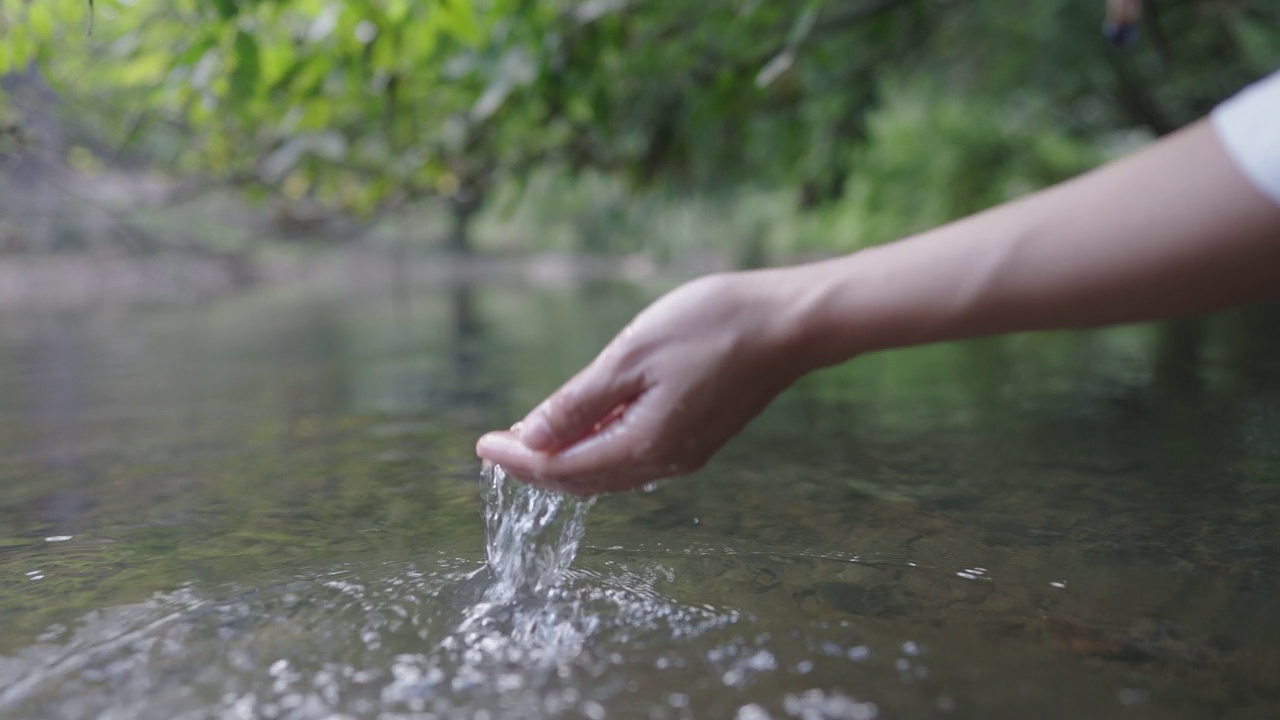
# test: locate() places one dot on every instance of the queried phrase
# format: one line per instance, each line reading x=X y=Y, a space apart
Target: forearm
x=1172 y=230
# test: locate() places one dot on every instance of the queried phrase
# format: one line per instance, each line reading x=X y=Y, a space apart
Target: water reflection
x=58 y=399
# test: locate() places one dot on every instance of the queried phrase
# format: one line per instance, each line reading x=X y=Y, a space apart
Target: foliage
x=367 y=104
x=933 y=156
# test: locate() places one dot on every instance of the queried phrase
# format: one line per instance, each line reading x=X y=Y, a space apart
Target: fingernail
x=535 y=433
x=496 y=444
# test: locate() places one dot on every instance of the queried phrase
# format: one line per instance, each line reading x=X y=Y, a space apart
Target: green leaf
x=244 y=79
x=227 y=9
x=194 y=52
x=17 y=49
x=457 y=17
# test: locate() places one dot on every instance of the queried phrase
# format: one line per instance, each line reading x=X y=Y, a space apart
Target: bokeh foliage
x=368 y=104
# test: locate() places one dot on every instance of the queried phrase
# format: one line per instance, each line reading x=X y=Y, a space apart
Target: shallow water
x=268 y=506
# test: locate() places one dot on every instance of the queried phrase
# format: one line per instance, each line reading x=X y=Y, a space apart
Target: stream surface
x=268 y=506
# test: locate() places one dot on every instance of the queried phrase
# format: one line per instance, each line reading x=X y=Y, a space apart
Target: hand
x=1139 y=239
x=677 y=383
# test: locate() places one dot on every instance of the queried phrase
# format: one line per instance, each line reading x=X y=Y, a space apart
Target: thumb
x=587 y=401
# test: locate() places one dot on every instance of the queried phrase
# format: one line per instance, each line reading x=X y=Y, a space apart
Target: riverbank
x=81 y=279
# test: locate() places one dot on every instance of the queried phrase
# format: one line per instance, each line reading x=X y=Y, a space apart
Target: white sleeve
x=1249 y=126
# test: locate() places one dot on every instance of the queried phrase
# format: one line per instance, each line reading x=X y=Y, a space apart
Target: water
x=267 y=507
x=531 y=535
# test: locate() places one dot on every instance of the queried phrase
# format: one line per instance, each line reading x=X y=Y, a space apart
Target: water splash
x=531 y=535
x=387 y=640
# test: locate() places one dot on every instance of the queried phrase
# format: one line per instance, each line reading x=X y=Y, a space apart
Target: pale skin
x=1172 y=230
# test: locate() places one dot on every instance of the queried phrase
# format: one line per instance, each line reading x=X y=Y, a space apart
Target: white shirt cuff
x=1249 y=126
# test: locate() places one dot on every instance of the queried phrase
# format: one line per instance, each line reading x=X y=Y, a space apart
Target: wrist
x=913 y=291
x=802 y=324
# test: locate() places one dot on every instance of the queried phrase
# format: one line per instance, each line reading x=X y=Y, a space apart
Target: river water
x=268 y=506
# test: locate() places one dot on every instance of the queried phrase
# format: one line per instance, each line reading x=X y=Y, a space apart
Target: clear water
x=531 y=536
x=268 y=507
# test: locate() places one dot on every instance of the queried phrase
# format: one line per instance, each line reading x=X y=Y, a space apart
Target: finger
x=592 y=485
x=504 y=448
x=617 y=457
x=529 y=466
x=589 y=401
x=620 y=446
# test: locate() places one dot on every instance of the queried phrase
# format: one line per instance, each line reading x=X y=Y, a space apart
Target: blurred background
x=197 y=146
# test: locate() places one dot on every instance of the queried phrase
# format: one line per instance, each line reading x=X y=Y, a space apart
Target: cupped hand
x=677 y=383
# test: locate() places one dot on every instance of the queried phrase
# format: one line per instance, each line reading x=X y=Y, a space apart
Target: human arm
x=1171 y=230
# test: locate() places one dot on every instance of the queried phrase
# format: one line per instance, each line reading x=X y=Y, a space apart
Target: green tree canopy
x=365 y=104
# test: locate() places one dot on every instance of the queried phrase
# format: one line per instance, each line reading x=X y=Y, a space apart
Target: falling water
x=531 y=535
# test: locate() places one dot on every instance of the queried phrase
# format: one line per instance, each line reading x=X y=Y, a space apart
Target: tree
x=368 y=104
